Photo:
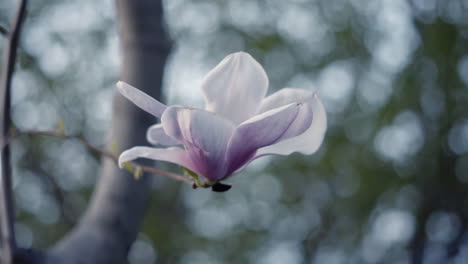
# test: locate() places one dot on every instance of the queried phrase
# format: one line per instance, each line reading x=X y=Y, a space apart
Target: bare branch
x=174 y=176
x=60 y=134
x=3 y=31
x=7 y=212
x=99 y=151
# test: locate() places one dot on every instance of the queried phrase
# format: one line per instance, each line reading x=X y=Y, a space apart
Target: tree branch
x=99 y=151
x=7 y=213
x=3 y=30
x=111 y=223
x=60 y=134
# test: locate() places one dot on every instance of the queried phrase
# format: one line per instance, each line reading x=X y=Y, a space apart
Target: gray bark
x=111 y=223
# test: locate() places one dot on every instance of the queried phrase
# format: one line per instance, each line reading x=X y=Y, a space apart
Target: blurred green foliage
x=389 y=184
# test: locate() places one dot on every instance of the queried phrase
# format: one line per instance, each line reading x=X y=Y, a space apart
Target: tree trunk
x=111 y=223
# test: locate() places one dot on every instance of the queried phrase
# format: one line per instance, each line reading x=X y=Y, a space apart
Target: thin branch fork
x=8 y=242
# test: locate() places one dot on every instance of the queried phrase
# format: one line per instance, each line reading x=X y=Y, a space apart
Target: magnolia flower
x=238 y=125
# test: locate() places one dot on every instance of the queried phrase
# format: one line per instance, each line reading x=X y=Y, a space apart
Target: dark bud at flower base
x=220 y=187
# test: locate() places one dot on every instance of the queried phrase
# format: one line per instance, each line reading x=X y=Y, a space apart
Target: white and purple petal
x=140 y=99
x=307 y=142
x=235 y=88
x=156 y=135
x=266 y=129
x=205 y=136
x=174 y=155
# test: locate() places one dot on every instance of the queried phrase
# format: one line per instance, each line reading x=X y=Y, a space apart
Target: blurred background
x=389 y=184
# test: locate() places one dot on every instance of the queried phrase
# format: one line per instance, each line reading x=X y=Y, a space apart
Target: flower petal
x=265 y=129
x=309 y=141
x=173 y=155
x=205 y=136
x=235 y=87
x=156 y=135
x=140 y=99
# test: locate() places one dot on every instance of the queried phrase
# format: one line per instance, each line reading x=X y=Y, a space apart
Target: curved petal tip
x=141 y=99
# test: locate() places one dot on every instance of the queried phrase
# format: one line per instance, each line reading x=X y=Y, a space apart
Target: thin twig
x=152 y=170
x=7 y=209
x=3 y=30
x=59 y=194
x=60 y=134
x=100 y=151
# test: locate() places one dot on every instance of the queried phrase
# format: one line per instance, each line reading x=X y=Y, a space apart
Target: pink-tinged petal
x=205 y=136
x=172 y=155
x=140 y=99
x=156 y=135
x=265 y=129
x=307 y=142
x=235 y=87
